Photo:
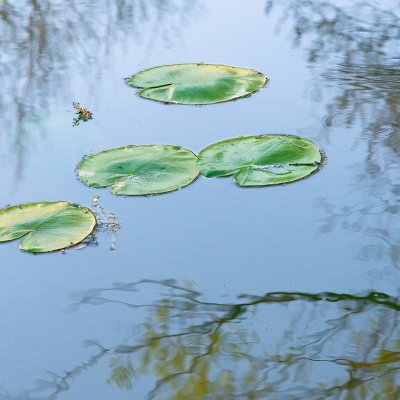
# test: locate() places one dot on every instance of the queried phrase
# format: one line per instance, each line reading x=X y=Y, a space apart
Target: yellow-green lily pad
x=196 y=84
x=46 y=226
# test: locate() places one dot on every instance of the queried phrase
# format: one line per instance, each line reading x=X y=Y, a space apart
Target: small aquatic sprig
x=107 y=220
x=83 y=114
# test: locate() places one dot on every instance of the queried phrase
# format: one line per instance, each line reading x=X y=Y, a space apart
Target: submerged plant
x=196 y=83
x=46 y=226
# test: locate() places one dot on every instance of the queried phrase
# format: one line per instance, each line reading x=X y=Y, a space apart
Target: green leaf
x=48 y=226
x=196 y=83
x=140 y=170
x=261 y=160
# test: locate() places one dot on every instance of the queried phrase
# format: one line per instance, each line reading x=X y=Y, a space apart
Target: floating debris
x=83 y=114
x=106 y=220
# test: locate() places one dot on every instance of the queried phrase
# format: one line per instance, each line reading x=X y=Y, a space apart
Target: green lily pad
x=140 y=170
x=47 y=226
x=196 y=83
x=261 y=160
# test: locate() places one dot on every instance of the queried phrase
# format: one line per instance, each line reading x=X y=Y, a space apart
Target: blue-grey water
x=213 y=291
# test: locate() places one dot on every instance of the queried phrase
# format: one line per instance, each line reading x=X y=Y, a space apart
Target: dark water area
x=213 y=291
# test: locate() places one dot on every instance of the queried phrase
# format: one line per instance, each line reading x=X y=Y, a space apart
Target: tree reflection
x=44 y=44
x=283 y=345
x=198 y=349
x=352 y=47
x=355 y=47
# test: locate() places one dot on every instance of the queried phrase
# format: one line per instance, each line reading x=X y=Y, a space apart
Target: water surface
x=213 y=291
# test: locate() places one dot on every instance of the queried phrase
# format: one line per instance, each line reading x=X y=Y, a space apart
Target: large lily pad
x=196 y=83
x=47 y=226
x=140 y=170
x=261 y=160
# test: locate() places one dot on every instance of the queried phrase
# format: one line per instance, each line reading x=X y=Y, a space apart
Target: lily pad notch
x=261 y=160
x=46 y=226
x=196 y=83
x=140 y=170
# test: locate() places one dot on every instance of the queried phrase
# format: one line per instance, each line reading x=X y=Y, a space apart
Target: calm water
x=212 y=292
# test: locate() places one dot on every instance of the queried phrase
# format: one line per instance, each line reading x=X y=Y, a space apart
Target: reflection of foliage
x=361 y=38
x=324 y=345
x=350 y=29
x=44 y=44
x=377 y=221
x=281 y=345
x=369 y=93
x=353 y=46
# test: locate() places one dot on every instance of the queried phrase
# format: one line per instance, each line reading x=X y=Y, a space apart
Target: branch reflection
x=45 y=44
x=352 y=47
x=286 y=345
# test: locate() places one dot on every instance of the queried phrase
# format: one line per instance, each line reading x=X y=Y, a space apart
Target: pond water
x=213 y=291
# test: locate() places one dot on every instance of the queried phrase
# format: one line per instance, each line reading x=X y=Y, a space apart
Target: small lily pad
x=196 y=84
x=261 y=160
x=47 y=226
x=140 y=170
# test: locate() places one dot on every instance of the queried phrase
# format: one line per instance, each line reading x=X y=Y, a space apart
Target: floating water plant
x=46 y=226
x=261 y=160
x=107 y=221
x=83 y=114
x=140 y=170
x=196 y=83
